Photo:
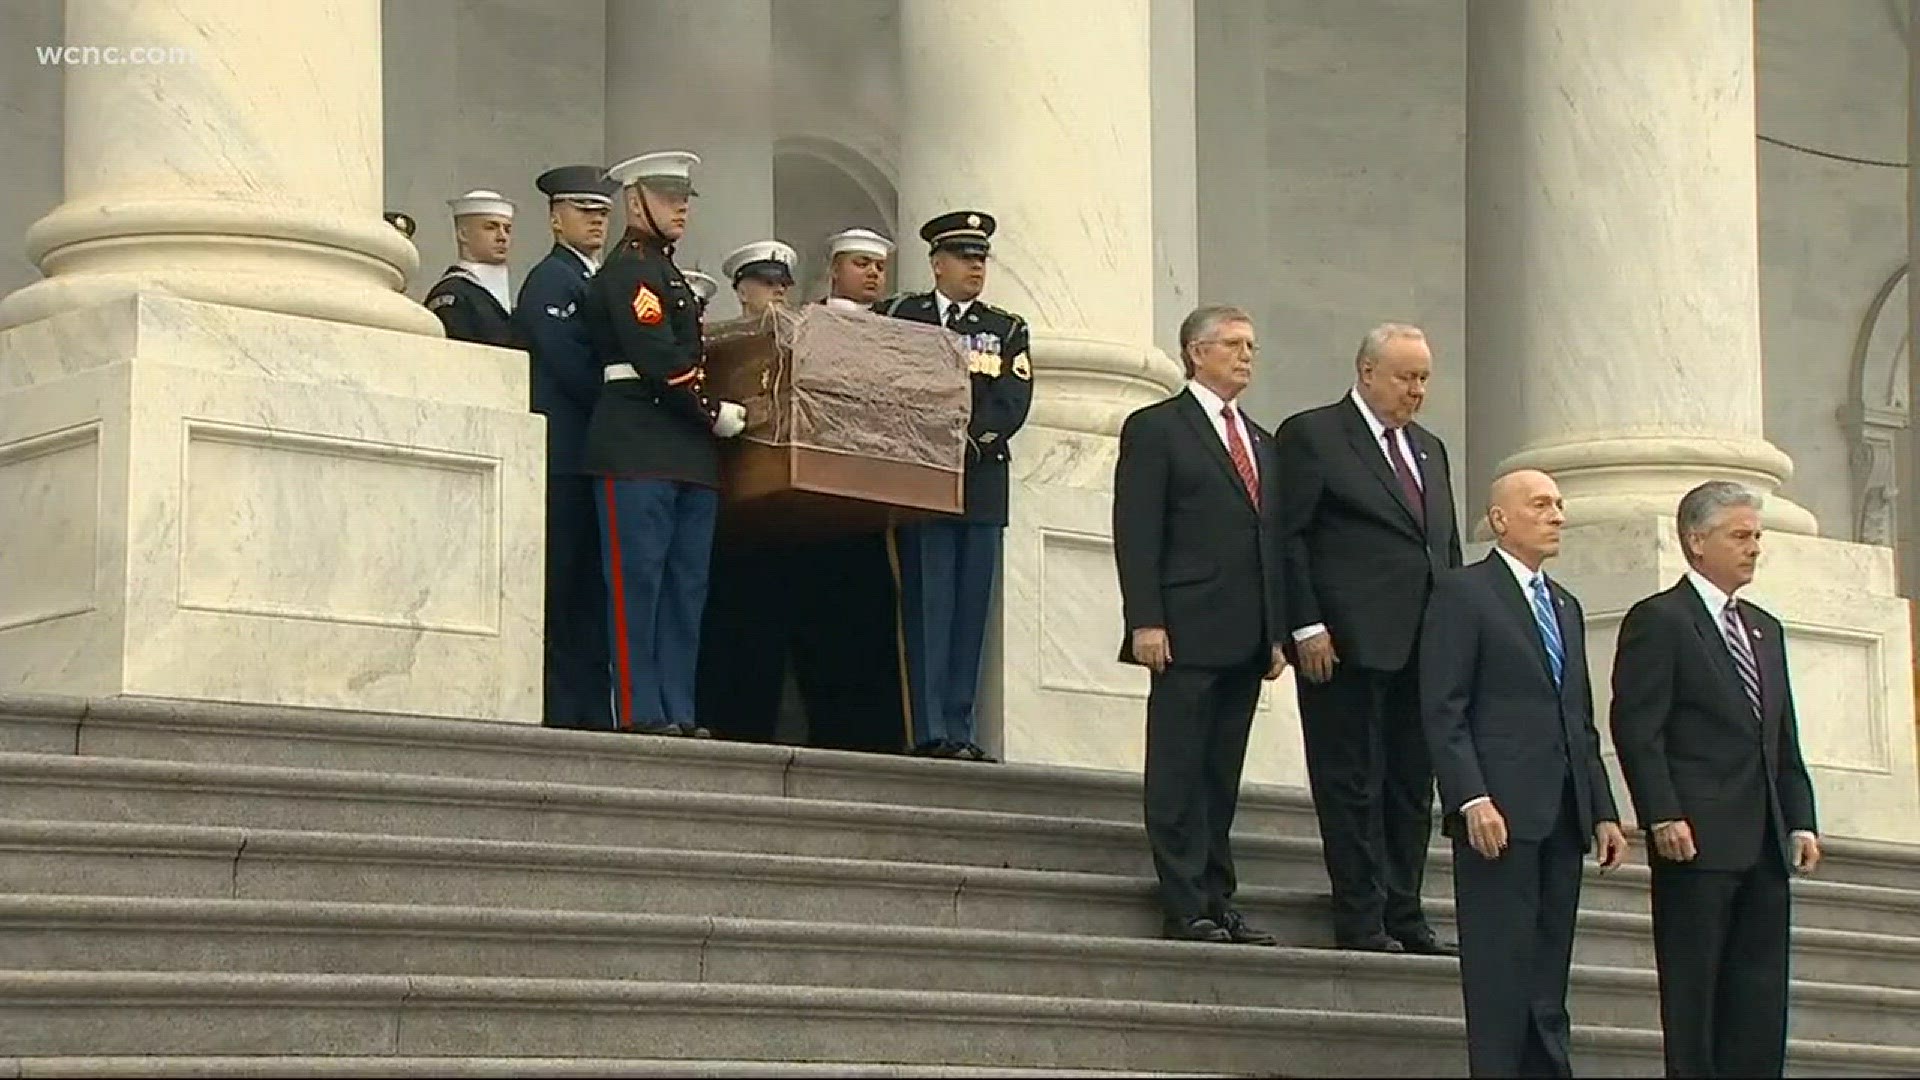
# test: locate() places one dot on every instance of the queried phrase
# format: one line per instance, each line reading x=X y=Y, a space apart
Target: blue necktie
x=1549 y=626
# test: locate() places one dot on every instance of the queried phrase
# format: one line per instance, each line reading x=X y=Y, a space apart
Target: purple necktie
x=1407 y=483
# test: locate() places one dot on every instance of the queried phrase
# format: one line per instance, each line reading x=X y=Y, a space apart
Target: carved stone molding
x=1877 y=412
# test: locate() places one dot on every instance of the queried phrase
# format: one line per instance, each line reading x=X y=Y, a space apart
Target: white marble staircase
x=207 y=890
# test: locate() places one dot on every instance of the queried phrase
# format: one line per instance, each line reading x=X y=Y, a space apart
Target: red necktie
x=1415 y=496
x=1242 y=460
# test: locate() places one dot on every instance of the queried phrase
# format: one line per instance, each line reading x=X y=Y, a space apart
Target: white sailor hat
x=481 y=201
x=704 y=286
x=768 y=259
x=859 y=241
x=668 y=171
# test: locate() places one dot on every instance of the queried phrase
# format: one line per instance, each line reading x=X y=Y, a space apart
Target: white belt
x=617 y=372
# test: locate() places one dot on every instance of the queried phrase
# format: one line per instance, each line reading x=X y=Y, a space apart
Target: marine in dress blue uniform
x=565 y=382
x=946 y=567
x=653 y=444
x=474 y=297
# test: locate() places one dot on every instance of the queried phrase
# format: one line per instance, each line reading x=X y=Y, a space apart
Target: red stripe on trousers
x=617 y=585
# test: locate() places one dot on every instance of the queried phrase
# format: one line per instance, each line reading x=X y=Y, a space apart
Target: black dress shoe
x=662 y=728
x=697 y=732
x=1375 y=942
x=970 y=752
x=1426 y=944
x=1196 y=928
x=1241 y=932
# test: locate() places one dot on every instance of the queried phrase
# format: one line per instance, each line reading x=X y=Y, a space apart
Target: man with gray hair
x=1703 y=719
x=1196 y=520
x=1366 y=522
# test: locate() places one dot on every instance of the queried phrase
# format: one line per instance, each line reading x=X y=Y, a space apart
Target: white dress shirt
x=592 y=264
x=841 y=303
x=1213 y=404
x=1380 y=438
x=1379 y=431
x=942 y=305
x=1524 y=578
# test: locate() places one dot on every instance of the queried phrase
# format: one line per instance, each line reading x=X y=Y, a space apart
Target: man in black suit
x=1704 y=723
x=1367 y=522
x=1196 y=496
x=1508 y=712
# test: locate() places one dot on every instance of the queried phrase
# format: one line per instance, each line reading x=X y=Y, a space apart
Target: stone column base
x=1054 y=676
x=222 y=504
x=1849 y=649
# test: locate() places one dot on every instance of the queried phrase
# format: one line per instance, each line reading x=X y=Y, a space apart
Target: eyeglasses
x=1237 y=344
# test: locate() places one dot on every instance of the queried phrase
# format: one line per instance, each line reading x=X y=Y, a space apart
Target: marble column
x=711 y=93
x=1613 y=340
x=241 y=165
x=1612 y=252
x=1058 y=144
x=1907 y=471
x=238 y=464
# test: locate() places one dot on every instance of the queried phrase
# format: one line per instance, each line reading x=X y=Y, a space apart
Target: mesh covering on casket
x=846 y=382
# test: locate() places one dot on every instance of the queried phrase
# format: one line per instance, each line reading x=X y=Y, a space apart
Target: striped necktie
x=1549 y=627
x=1735 y=632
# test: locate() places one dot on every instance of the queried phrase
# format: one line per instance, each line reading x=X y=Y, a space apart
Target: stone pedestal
x=220 y=504
x=1848 y=643
x=238 y=465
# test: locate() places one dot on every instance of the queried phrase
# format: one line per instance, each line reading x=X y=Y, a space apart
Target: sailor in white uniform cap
x=857 y=260
x=761 y=273
x=705 y=287
x=474 y=297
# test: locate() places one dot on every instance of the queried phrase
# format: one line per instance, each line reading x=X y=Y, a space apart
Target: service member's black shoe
x=970 y=752
x=1374 y=942
x=1425 y=943
x=695 y=731
x=1195 y=928
x=928 y=749
x=1241 y=932
x=654 y=729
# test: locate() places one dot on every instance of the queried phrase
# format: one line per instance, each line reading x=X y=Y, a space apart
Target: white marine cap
x=670 y=166
x=703 y=285
x=748 y=257
x=860 y=241
x=481 y=201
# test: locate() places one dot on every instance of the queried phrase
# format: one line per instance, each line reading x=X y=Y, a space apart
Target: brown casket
x=855 y=422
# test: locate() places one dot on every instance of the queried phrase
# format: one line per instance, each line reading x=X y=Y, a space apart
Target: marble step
x=506 y=1068
x=87 y=857
x=111 y=934
x=155 y=729
x=53 y=1014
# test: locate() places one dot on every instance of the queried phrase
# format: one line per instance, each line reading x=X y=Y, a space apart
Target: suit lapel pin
x=1756 y=633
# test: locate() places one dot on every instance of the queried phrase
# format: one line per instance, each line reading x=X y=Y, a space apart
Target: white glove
x=731 y=421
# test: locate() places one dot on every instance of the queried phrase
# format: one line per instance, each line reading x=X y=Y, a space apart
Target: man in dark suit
x=1367 y=522
x=1508 y=712
x=1196 y=498
x=1704 y=723
x=565 y=378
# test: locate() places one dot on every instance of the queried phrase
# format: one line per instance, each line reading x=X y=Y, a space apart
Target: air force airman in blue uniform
x=653 y=444
x=947 y=566
x=565 y=379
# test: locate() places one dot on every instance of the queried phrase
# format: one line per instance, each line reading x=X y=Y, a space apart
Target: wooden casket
x=855 y=422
